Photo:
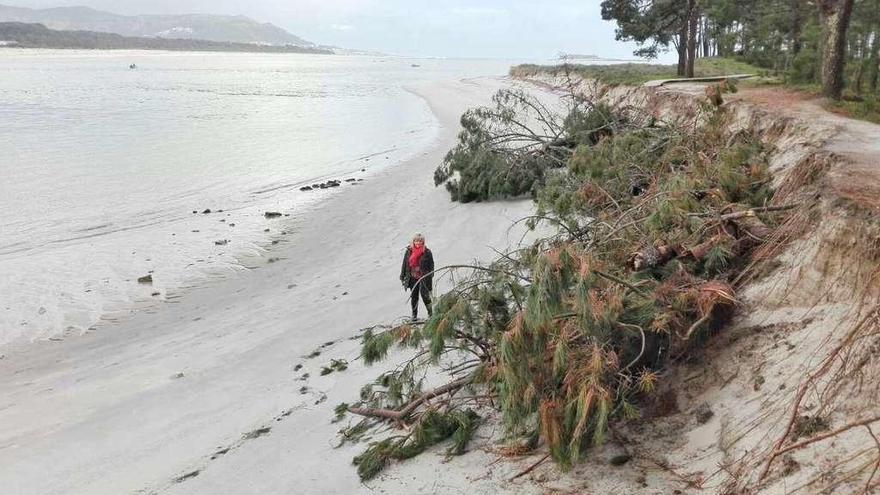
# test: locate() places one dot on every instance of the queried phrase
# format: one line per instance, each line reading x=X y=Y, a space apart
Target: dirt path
x=857 y=141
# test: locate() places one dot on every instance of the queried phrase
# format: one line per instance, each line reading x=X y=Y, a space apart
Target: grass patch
x=866 y=108
x=854 y=106
x=633 y=74
x=859 y=107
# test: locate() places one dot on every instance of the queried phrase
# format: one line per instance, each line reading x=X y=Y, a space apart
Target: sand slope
x=143 y=404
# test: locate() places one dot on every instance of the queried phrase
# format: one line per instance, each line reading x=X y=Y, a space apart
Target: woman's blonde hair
x=418 y=237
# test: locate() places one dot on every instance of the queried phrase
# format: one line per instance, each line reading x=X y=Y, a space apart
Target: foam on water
x=103 y=166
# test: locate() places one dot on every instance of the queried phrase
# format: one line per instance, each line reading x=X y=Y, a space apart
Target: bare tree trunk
x=862 y=54
x=692 y=21
x=835 y=16
x=706 y=37
x=874 y=61
x=681 y=47
x=745 y=46
x=700 y=34
x=796 y=22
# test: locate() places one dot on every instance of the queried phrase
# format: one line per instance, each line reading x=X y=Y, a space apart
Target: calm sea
x=102 y=166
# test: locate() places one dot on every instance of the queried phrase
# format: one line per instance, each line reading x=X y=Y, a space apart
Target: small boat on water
x=415 y=65
x=133 y=66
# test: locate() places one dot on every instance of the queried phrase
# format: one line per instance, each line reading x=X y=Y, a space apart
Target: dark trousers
x=414 y=298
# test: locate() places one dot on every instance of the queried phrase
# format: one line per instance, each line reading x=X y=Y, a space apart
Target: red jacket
x=426 y=265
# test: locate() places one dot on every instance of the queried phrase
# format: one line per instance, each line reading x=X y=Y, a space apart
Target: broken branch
x=403 y=413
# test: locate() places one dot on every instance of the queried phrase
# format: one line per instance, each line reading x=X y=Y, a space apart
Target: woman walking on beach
x=416 y=274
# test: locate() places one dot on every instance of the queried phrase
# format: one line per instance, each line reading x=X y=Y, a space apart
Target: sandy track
x=855 y=140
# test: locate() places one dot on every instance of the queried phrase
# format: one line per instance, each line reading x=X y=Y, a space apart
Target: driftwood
x=411 y=406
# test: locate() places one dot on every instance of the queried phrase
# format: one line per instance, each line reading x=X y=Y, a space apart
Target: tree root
x=530 y=468
x=819 y=438
x=808 y=383
x=876 y=464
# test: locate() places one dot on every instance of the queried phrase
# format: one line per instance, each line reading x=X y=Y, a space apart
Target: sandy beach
x=200 y=394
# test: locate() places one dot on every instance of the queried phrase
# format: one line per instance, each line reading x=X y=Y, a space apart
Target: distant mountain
x=235 y=29
x=24 y=35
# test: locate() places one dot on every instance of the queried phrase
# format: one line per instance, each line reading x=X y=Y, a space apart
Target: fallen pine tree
x=655 y=224
x=507 y=149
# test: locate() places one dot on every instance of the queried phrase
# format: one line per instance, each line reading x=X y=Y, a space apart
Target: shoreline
x=243 y=253
x=202 y=396
x=247 y=254
x=71 y=267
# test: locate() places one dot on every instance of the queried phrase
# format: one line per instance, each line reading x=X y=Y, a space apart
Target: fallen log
x=744 y=224
x=652 y=256
x=700 y=251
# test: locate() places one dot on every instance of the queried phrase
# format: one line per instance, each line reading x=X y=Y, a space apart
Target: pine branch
x=475 y=267
x=620 y=281
x=409 y=408
x=746 y=213
x=530 y=468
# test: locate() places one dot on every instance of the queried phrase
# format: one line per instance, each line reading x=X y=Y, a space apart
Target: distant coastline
x=25 y=35
x=577 y=58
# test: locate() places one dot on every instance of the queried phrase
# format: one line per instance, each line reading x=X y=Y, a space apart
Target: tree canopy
x=831 y=42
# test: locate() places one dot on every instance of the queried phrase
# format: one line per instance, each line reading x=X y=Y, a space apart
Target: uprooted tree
x=655 y=223
x=506 y=150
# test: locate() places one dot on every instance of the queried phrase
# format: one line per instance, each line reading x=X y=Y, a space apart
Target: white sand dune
x=144 y=403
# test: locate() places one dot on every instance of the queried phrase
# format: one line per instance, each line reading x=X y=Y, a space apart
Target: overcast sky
x=476 y=28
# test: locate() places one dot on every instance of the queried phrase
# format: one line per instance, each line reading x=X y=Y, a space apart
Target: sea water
x=105 y=170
